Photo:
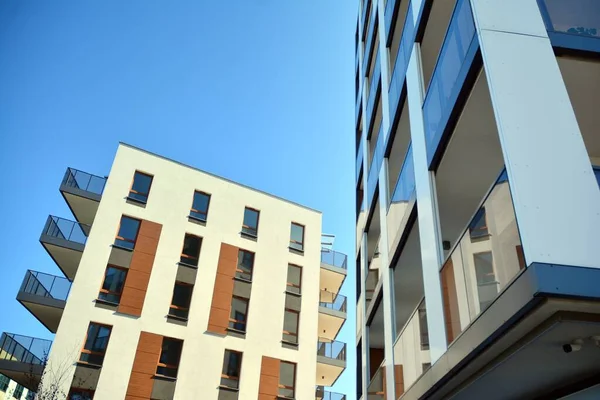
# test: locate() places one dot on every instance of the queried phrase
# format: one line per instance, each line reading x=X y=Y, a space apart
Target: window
x=140 y=188
x=297 y=237
x=426 y=366
x=112 y=287
x=191 y=250
x=238 y=313
x=31 y=396
x=245 y=265
x=287 y=379
x=18 y=392
x=230 y=375
x=128 y=231
x=4 y=381
x=180 y=304
x=478 y=227
x=200 y=204
x=169 y=357
x=250 y=225
x=80 y=394
x=294 y=279
x=423 y=328
x=487 y=286
x=95 y=344
x=290 y=325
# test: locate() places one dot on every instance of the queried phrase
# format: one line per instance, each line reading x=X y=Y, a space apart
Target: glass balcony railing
x=450 y=72
x=331 y=349
x=24 y=349
x=572 y=23
x=365 y=14
x=375 y=166
x=334 y=258
x=597 y=173
x=481 y=265
x=405 y=186
x=333 y=301
x=402 y=60
x=389 y=15
x=61 y=228
x=359 y=158
x=376 y=389
x=322 y=394
x=374 y=86
x=82 y=180
x=370 y=45
x=46 y=285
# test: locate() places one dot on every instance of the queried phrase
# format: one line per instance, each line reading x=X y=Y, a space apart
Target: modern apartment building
x=179 y=284
x=10 y=390
x=477 y=199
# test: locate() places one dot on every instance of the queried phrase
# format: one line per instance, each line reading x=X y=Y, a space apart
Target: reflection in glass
x=577 y=17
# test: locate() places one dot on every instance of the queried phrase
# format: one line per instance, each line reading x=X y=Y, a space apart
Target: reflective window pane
x=191 y=250
x=294 y=279
x=287 y=379
x=297 y=237
x=238 y=313
x=140 y=187
x=250 y=226
x=200 y=206
x=245 y=265
x=128 y=231
x=112 y=287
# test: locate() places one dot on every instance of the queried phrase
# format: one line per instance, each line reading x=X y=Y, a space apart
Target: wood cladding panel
x=269 y=378
x=147 y=354
x=399 y=379
x=218 y=320
x=376 y=357
x=450 y=296
x=138 y=276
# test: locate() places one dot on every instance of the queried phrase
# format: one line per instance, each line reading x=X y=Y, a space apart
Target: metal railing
x=401 y=62
x=334 y=258
x=322 y=394
x=46 y=285
x=84 y=181
x=333 y=301
x=66 y=229
x=331 y=349
x=24 y=349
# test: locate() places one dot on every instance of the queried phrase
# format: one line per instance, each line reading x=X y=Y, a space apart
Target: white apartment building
x=10 y=389
x=477 y=199
x=179 y=284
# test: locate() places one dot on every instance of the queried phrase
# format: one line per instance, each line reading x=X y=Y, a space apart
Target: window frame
x=282 y=386
x=18 y=391
x=245 y=227
x=288 y=283
x=239 y=369
x=165 y=365
x=245 y=322
x=91 y=352
x=108 y=292
x=175 y=307
x=3 y=382
x=292 y=241
x=131 y=190
x=137 y=233
x=74 y=389
x=296 y=334
x=193 y=210
x=182 y=255
x=237 y=270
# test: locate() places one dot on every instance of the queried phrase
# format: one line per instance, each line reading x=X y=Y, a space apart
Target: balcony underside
x=332 y=278
x=330 y=322
x=27 y=375
x=329 y=370
x=519 y=339
x=83 y=204
x=46 y=309
x=65 y=253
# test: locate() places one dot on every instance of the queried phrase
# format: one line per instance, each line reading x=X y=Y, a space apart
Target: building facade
x=477 y=199
x=181 y=285
x=10 y=389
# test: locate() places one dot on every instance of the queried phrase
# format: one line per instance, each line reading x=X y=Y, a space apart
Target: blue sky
x=258 y=91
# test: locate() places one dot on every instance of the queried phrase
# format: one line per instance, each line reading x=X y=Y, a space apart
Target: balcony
x=333 y=270
x=65 y=240
x=376 y=389
x=391 y=8
x=597 y=173
x=331 y=361
x=402 y=199
x=370 y=43
x=450 y=73
x=375 y=167
x=572 y=24
x=23 y=358
x=374 y=92
x=322 y=394
x=45 y=297
x=332 y=314
x=82 y=192
x=359 y=159
x=366 y=8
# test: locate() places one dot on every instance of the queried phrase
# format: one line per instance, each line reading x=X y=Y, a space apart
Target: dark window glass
x=180 y=305
x=169 y=357
x=200 y=206
x=111 y=290
x=245 y=265
x=140 y=188
x=31 y=396
x=290 y=325
x=294 y=279
x=238 y=313
x=423 y=326
x=18 y=392
x=250 y=226
x=478 y=227
x=4 y=381
x=80 y=394
x=128 y=231
x=95 y=344
x=191 y=250
x=287 y=379
x=297 y=237
x=230 y=375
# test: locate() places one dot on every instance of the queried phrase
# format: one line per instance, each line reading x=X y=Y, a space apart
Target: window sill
x=116 y=246
x=287 y=342
x=228 y=389
x=137 y=201
x=233 y=330
x=239 y=278
x=285 y=397
x=89 y=365
x=197 y=220
x=296 y=251
x=187 y=265
x=106 y=302
x=249 y=236
x=293 y=294
x=164 y=378
x=178 y=318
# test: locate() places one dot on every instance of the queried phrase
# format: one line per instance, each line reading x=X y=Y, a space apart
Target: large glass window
x=291 y=319
x=191 y=250
x=128 y=232
x=287 y=379
x=169 y=357
x=245 y=265
x=200 y=205
x=238 y=314
x=140 y=187
x=95 y=344
x=478 y=227
x=297 y=237
x=232 y=363
x=18 y=392
x=294 y=279
x=250 y=226
x=112 y=287
x=180 y=304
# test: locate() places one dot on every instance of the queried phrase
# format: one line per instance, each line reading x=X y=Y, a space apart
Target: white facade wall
x=9 y=393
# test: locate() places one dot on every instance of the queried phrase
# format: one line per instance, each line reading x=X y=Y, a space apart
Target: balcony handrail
x=83 y=180
x=323 y=394
x=46 y=285
x=66 y=229
x=23 y=348
x=337 y=301
x=405 y=184
x=334 y=258
x=331 y=349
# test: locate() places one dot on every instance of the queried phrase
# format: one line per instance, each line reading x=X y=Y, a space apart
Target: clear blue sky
x=258 y=91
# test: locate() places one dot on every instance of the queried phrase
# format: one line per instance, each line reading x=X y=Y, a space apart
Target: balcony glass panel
x=333 y=301
x=84 y=181
x=24 y=349
x=375 y=84
x=405 y=186
x=449 y=74
x=575 y=17
x=45 y=285
x=389 y=14
x=402 y=59
x=331 y=349
x=480 y=267
x=375 y=166
x=334 y=258
x=322 y=394
x=376 y=389
x=597 y=172
x=65 y=229
x=359 y=158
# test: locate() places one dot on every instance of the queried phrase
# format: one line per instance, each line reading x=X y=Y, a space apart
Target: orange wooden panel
x=268 y=385
x=222 y=300
x=145 y=362
x=222 y=330
x=140 y=385
x=132 y=297
x=130 y=310
x=150 y=229
x=145 y=244
x=137 y=280
x=223 y=283
x=266 y=397
x=228 y=254
x=150 y=343
x=270 y=366
x=141 y=262
x=450 y=296
x=399 y=377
